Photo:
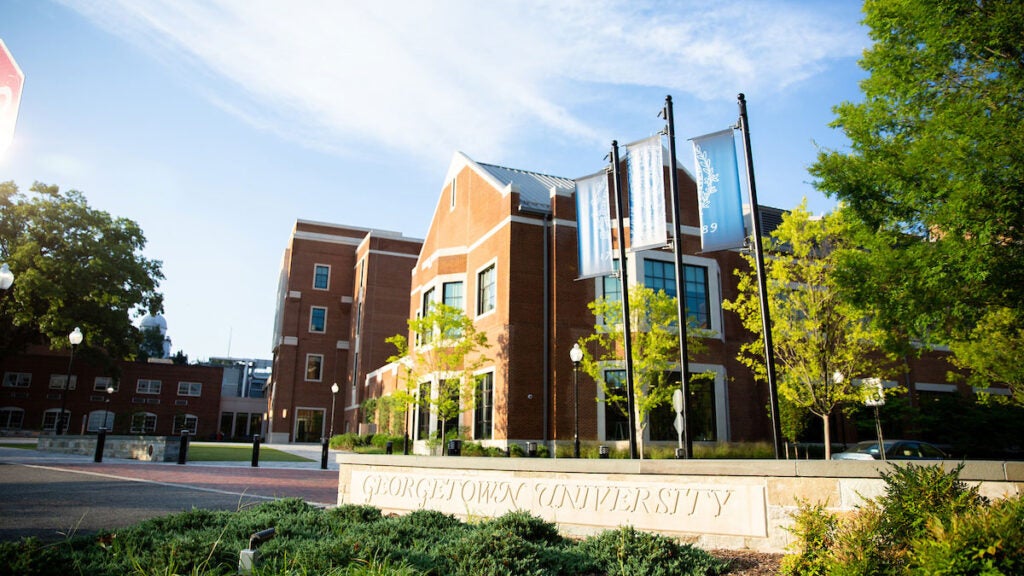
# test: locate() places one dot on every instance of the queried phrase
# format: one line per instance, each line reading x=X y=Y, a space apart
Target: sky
x=216 y=124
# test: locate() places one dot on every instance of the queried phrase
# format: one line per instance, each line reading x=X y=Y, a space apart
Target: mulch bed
x=749 y=562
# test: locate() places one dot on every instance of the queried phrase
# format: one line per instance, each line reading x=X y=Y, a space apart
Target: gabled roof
x=534 y=189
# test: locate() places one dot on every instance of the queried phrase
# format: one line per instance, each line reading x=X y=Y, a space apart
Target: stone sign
x=733 y=509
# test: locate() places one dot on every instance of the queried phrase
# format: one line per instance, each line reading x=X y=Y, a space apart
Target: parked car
x=894 y=450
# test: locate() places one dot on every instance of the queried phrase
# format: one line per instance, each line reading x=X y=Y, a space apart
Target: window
x=450 y=425
x=616 y=424
x=314 y=367
x=148 y=386
x=660 y=275
x=17 y=379
x=453 y=294
x=428 y=299
x=57 y=381
x=99 y=419
x=321 y=277
x=143 y=423
x=318 y=319
x=50 y=420
x=190 y=388
x=188 y=422
x=423 y=413
x=483 y=413
x=451 y=205
x=611 y=285
x=486 y=290
x=11 y=418
x=701 y=411
x=101 y=383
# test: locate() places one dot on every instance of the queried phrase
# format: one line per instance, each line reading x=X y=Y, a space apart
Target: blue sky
x=216 y=124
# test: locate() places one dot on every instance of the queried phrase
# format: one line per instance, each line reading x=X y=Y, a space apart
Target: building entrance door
x=309 y=424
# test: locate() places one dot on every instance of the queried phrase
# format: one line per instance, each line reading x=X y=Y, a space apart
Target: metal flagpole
x=762 y=285
x=677 y=235
x=628 y=336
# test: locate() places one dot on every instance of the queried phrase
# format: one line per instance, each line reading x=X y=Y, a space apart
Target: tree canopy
x=74 y=266
x=655 y=348
x=447 y=350
x=935 y=167
x=823 y=344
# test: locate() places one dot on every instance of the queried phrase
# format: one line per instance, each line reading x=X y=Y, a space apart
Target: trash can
x=531 y=449
x=455 y=447
x=603 y=452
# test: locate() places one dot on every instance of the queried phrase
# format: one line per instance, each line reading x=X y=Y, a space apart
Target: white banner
x=647 y=227
x=718 y=192
x=594 y=226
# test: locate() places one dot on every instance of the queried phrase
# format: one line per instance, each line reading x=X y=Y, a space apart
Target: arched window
x=11 y=418
x=50 y=420
x=143 y=423
x=188 y=422
x=99 y=419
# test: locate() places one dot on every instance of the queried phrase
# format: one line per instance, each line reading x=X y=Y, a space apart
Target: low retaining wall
x=146 y=448
x=735 y=504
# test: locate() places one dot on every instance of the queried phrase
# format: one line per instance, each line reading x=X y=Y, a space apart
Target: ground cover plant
x=199 y=452
x=927 y=521
x=354 y=541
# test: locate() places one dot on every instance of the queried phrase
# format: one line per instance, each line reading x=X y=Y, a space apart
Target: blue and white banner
x=594 y=226
x=647 y=226
x=718 y=192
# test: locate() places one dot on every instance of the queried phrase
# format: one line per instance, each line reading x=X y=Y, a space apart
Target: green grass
x=22 y=445
x=198 y=452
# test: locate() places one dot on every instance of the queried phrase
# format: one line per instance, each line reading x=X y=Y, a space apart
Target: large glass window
x=451 y=425
x=700 y=410
x=487 y=290
x=148 y=386
x=99 y=419
x=103 y=382
x=57 y=381
x=314 y=367
x=50 y=420
x=483 y=413
x=318 y=319
x=190 y=388
x=321 y=277
x=616 y=424
x=660 y=275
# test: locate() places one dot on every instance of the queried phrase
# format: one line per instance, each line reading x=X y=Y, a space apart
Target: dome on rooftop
x=154 y=321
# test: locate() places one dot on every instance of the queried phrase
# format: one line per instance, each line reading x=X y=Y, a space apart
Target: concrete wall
x=712 y=503
x=145 y=448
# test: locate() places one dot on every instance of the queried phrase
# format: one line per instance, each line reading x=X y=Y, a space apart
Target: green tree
x=447 y=350
x=655 y=348
x=935 y=173
x=74 y=266
x=822 y=343
x=994 y=351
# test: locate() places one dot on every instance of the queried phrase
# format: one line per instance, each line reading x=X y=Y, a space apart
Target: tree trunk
x=828 y=437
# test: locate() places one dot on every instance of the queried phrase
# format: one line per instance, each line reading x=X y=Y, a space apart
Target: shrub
x=814 y=529
x=627 y=552
x=346 y=441
x=988 y=541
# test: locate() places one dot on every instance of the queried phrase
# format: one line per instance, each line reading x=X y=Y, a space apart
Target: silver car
x=894 y=450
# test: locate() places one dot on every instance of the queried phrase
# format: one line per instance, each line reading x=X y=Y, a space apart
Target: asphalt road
x=53 y=497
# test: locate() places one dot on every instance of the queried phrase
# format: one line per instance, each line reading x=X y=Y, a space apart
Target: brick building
x=148 y=398
x=342 y=291
x=502 y=245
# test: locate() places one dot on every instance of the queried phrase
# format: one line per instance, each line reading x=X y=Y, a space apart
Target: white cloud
x=424 y=78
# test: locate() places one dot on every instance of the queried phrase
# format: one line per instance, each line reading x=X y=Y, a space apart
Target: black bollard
x=531 y=449
x=603 y=452
x=455 y=447
x=389 y=447
x=183 y=447
x=323 y=453
x=101 y=439
x=680 y=453
x=255 y=450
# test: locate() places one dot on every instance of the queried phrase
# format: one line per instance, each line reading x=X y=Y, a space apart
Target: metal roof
x=534 y=189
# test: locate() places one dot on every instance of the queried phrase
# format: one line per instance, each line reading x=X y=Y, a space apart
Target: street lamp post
x=6 y=277
x=334 y=398
x=75 y=338
x=110 y=390
x=576 y=354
